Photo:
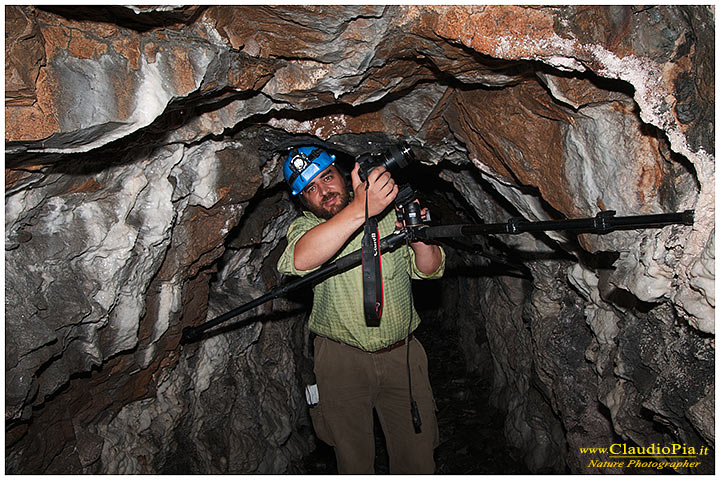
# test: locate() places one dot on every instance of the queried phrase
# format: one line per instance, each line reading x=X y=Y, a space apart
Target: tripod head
x=407 y=208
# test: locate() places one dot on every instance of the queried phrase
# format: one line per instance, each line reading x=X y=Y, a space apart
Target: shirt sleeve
x=418 y=275
x=298 y=228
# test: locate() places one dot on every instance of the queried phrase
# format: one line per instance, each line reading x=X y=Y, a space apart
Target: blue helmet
x=303 y=164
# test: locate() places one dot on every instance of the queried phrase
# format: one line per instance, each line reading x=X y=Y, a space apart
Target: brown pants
x=351 y=383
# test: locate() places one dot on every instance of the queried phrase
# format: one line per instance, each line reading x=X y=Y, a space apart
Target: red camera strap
x=371 y=269
x=372 y=274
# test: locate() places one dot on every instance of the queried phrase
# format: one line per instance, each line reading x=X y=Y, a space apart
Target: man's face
x=326 y=194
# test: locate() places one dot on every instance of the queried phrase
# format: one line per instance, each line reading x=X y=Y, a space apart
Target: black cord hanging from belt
x=414 y=412
x=371 y=269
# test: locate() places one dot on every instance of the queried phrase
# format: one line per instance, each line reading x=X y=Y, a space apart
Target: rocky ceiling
x=144 y=194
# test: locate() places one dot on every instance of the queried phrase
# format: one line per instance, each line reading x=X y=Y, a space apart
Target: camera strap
x=371 y=270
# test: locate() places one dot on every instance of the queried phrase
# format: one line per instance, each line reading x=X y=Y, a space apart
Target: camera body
x=395 y=158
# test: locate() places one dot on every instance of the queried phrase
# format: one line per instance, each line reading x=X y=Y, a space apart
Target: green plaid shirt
x=337 y=311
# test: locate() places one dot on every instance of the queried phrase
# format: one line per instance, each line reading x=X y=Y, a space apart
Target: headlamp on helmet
x=303 y=164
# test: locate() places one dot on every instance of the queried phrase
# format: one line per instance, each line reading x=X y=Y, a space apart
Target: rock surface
x=144 y=194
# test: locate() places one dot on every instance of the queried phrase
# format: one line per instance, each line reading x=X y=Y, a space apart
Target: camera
x=395 y=158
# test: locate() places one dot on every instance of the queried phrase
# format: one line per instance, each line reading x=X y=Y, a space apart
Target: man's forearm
x=322 y=242
x=428 y=258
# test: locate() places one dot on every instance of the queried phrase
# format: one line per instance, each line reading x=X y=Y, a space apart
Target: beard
x=328 y=213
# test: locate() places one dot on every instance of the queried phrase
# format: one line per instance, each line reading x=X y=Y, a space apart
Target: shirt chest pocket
x=394 y=263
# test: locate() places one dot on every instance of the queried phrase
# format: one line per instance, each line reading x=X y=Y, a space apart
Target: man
x=357 y=367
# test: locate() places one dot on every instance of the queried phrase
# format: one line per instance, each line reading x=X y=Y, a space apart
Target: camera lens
x=398 y=157
x=394 y=160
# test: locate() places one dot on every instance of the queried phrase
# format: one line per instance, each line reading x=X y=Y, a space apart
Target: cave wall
x=143 y=195
x=576 y=361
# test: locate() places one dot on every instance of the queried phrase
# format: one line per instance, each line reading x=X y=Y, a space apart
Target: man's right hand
x=380 y=192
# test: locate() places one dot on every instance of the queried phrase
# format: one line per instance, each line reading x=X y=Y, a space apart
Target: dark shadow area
x=471 y=430
x=126 y=17
x=601 y=83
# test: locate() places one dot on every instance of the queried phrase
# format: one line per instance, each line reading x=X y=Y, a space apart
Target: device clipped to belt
x=371 y=270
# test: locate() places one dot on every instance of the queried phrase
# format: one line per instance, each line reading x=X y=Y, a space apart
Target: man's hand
x=381 y=190
x=428 y=257
x=423 y=216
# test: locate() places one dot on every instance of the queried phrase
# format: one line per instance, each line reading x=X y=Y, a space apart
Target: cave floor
x=471 y=430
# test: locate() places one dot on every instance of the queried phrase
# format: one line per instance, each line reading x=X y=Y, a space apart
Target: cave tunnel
x=145 y=195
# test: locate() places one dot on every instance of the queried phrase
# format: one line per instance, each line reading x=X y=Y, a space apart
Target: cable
x=414 y=412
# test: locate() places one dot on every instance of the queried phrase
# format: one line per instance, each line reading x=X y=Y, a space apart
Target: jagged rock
x=24 y=57
x=143 y=195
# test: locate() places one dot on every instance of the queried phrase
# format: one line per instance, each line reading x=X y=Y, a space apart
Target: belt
x=382 y=350
x=394 y=345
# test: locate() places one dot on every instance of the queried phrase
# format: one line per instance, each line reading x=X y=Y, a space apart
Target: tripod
x=604 y=222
